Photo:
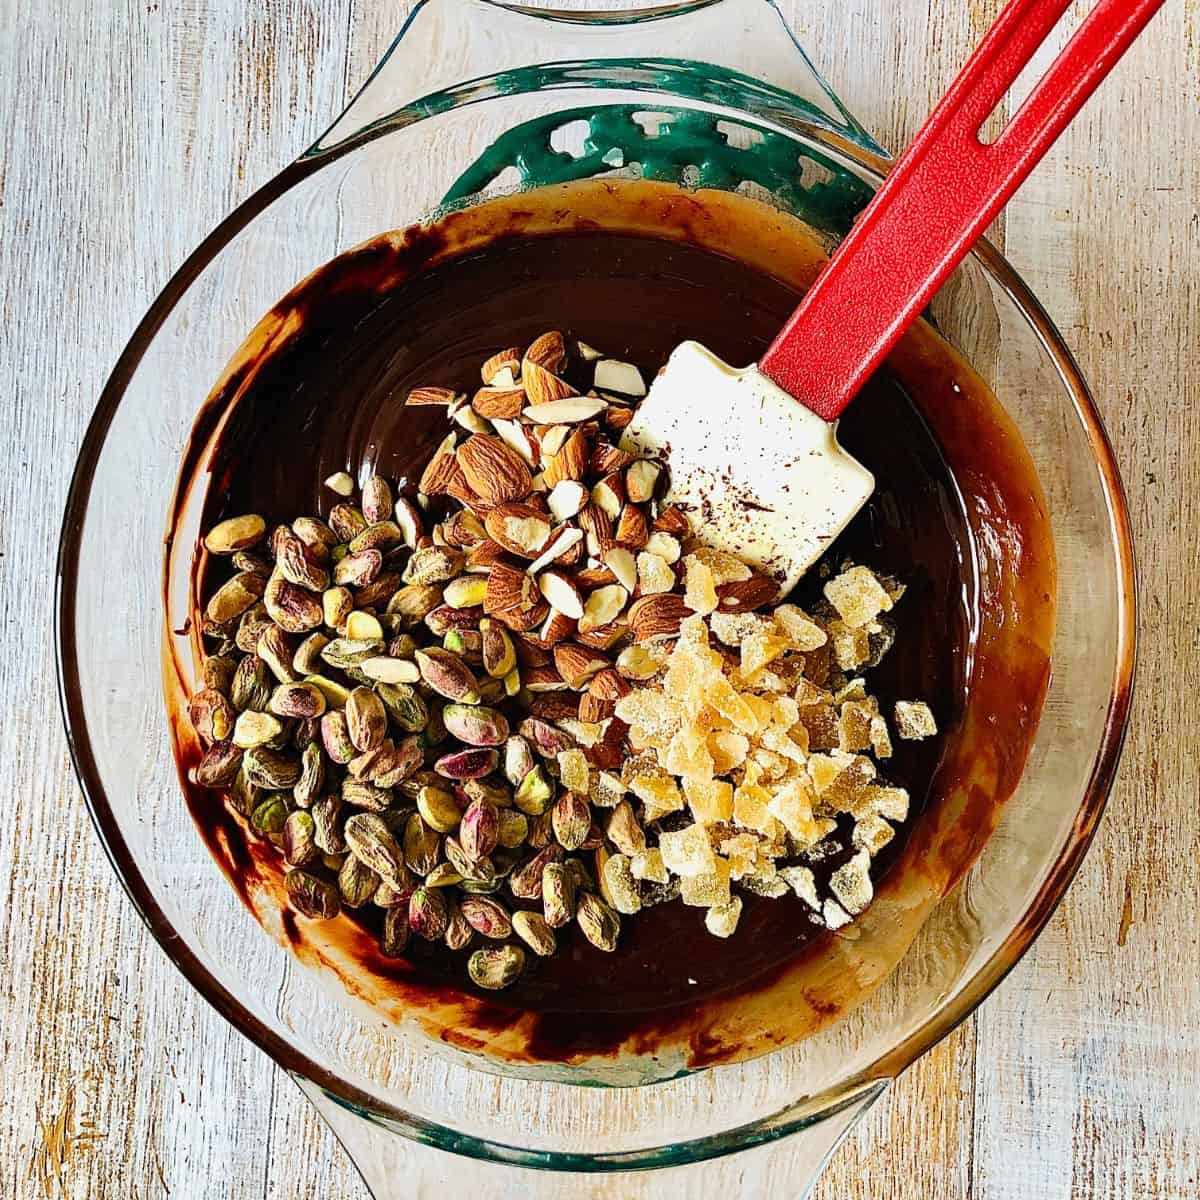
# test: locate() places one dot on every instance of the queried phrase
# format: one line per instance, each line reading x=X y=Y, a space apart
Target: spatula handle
x=941 y=196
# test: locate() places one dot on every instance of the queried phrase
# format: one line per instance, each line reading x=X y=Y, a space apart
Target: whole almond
x=597 y=527
x=616 y=417
x=672 y=520
x=497 y=473
x=653 y=618
x=577 y=664
x=607 y=684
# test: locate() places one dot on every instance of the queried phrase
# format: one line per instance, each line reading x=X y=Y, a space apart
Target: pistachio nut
x=376 y=500
x=422 y=845
x=394 y=938
x=357 y=883
x=526 y=881
x=558 y=895
x=359 y=794
x=219 y=766
x=211 y=715
x=447 y=675
x=518 y=759
x=467 y=764
x=496 y=648
x=236 y=533
x=405 y=706
x=299 y=839
x=346 y=522
x=369 y=837
x=366 y=719
x=534 y=930
x=251 y=686
x=217 y=672
x=496 y=967
x=433 y=564
x=571 y=817
x=598 y=922
x=312 y=896
x=358 y=570
x=307 y=789
x=335 y=737
x=300 y=700
x=439 y=809
x=534 y=793
x=327 y=824
x=459 y=934
x=487 y=916
x=336 y=605
x=274 y=770
x=512 y=828
x=234 y=596
x=479 y=831
x=270 y=815
x=307 y=659
x=428 y=913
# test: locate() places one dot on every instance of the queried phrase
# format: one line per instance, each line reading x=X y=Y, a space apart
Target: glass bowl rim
x=804 y=1111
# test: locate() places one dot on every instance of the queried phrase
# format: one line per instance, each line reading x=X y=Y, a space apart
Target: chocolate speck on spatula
x=752 y=453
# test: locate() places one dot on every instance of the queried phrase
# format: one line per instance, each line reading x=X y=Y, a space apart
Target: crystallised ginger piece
x=871 y=834
x=708 y=889
x=700 y=591
x=792 y=805
x=858 y=596
x=728 y=750
x=799 y=628
x=725 y=567
x=648 y=864
x=731 y=628
x=914 y=720
x=851 y=883
x=759 y=649
x=688 y=852
x=854 y=725
x=721 y=919
x=711 y=800
x=573 y=771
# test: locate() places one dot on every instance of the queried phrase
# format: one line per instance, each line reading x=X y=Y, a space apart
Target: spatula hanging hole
x=651 y=121
x=570 y=138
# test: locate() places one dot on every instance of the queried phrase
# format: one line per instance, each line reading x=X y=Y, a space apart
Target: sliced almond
x=548 y=350
x=520 y=528
x=566 y=499
x=543 y=679
x=593 y=710
x=593 y=576
x=673 y=520
x=607 y=458
x=603 y=607
x=482 y=556
x=543 y=387
x=632 y=528
x=557 y=549
x=552 y=437
x=509 y=589
x=640 y=480
x=616 y=418
x=616 y=376
x=588 y=353
x=609 y=496
x=623 y=565
x=407 y=517
x=504 y=403
x=442 y=470
x=431 y=395
x=517 y=437
x=577 y=664
x=471 y=421
x=597 y=527
x=571 y=461
x=341 y=483
x=604 y=637
x=561 y=593
x=493 y=469
x=506 y=360
x=556 y=628
x=563 y=412
x=665 y=545
x=607 y=684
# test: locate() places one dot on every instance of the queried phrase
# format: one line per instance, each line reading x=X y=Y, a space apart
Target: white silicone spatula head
x=763 y=476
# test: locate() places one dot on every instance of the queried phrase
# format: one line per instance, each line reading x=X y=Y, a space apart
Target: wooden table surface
x=1079 y=1077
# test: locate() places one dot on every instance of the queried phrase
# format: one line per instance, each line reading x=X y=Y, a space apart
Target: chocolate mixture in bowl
x=330 y=403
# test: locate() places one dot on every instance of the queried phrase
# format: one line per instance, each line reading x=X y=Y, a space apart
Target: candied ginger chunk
x=803 y=882
x=854 y=725
x=851 y=883
x=711 y=800
x=914 y=720
x=881 y=738
x=835 y=915
x=688 y=852
x=858 y=596
x=799 y=628
x=728 y=750
x=731 y=628
x=648 y=864
x=700 y=594
x=687 y=755
x=721 y=919
x=759 y=649
x=750 y=807
x=654 y=574
x=871 y=834
x=725 y=567
x=711 y=888
x=792 y=804
x=573 y=771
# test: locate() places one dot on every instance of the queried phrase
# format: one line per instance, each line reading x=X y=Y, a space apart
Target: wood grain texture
x=131 y=129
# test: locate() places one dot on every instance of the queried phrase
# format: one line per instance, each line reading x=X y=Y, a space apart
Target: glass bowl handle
x=397 y=1168
x=451 y=51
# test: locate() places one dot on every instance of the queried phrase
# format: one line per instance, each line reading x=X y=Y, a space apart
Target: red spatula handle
x=942 y=194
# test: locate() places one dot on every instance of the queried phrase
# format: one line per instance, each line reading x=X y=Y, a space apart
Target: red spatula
x=763 y=476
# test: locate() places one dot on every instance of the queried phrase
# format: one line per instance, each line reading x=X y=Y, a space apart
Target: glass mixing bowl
x=475 y=99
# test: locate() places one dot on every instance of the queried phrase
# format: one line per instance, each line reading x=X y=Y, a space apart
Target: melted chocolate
x=333 y=399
